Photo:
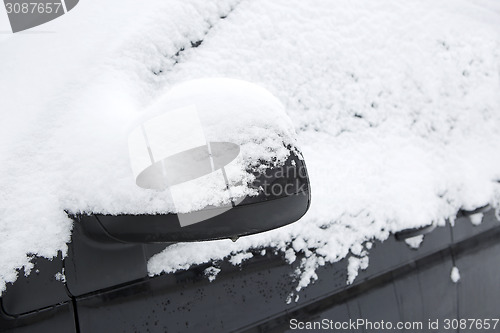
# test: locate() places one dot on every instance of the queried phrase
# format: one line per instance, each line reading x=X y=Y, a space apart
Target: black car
x=106 y=288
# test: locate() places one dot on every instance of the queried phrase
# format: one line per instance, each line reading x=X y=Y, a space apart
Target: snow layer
x=397 y=109
x=396 y=106
x=209 y=110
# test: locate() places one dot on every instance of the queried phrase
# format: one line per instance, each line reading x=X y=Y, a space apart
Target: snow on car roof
x=395 y=105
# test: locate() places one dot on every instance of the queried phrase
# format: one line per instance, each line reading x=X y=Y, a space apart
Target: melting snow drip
x=60 y=276
x=476 y=219
x=353 y=267
x=455 y=275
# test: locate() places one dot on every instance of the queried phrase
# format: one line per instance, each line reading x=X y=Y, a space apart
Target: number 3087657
x=33 y=7
x=470 y=324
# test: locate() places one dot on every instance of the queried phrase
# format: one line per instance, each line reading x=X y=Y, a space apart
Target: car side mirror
x=227 y=139
x=284 y=198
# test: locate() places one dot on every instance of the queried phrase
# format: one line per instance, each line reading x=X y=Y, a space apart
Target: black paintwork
x=108 y=290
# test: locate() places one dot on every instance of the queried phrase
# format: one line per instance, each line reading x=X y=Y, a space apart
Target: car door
x=39 y=302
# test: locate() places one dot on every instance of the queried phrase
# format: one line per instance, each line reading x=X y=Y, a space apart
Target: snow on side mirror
x=223 y=153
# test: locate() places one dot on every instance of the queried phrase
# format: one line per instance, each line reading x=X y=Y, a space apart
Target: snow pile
x=208 y=110
x=396 y=106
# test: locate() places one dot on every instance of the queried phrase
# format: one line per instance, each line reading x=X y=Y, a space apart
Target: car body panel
x=414 y=284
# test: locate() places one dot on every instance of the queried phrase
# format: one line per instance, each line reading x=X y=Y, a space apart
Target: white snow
x=211 y=273
x=200 y=111
x=396 y=107
x=353 y=267
x=476 y=219
x=414 y=242
x=238 y=258
x=60 y=276
x=455 y=275
x=290 y=255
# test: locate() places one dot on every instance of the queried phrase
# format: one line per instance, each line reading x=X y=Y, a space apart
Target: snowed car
x=213 y=184
x=395 y=108
x=228 y=184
